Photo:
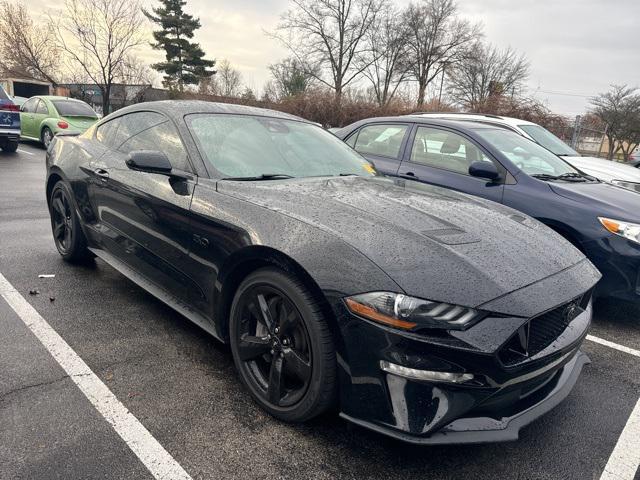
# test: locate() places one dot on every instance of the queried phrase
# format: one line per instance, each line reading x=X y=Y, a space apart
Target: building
x=121 y=94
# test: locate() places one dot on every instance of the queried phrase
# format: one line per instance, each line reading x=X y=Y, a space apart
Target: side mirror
x=482 y=169
x=149 y=161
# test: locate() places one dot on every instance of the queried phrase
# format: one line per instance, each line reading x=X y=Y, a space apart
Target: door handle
x=102 y=173
x=409 y=174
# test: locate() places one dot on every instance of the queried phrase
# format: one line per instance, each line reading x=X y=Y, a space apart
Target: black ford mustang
x=419 y=312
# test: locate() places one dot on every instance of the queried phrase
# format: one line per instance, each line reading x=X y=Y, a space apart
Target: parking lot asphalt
x=181 y=385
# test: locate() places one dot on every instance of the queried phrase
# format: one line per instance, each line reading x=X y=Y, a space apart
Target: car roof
x=474 y=116
x=55 y=97
x=459 y=124
x=180 y=108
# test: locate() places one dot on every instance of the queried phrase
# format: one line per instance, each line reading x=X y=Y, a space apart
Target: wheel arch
x=567 y=232
x=242 y=263
x=54 y=177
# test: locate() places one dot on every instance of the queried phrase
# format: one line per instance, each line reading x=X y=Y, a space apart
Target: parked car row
x=420 y=312
x=40 y=118
x=619 y=174
x=485 y=160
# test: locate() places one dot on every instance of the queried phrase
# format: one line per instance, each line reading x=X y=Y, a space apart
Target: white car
x=619 y=174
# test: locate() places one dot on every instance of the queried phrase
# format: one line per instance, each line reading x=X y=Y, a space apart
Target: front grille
x=541 y=331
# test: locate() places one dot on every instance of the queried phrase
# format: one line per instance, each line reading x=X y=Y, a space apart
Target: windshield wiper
x=573 y=175
x=568 y=177
x=544 y=176
x=263 y=176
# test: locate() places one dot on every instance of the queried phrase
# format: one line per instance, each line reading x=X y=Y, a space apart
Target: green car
x=43 y=117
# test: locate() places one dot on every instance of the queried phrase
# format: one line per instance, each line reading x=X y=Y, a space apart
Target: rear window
x=3 y=94
x=70 y=108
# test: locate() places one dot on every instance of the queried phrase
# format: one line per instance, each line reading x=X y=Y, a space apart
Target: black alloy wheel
x=282 y=346
x=67 y=234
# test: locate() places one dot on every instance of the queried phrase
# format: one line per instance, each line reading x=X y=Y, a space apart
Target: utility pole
x=576 y=131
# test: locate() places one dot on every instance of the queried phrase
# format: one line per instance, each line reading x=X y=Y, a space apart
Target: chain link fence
x=586 y=138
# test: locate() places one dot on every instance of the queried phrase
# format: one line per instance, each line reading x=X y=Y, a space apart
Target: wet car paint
x=196 y=236
x=571 y=209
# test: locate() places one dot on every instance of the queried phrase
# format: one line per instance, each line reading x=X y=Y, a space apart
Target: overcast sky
x=577 y=48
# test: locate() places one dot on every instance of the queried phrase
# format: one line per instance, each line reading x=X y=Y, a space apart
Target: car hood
x=605 y=170
x=605 y=199
x=434 y=243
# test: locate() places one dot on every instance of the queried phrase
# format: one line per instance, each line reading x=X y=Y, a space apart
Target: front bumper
x=504 y=395
x=618 y=259
x=484 y=429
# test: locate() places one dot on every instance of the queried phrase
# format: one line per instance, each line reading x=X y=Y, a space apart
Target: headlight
x=630 y=231
x=410 y=313
x=633 y=186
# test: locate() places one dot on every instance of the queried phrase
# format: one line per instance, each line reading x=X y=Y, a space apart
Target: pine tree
x=185 y=63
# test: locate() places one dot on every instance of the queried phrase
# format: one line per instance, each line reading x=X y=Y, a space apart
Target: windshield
x=548 y=140
x=72 y=108
x=528 y=156
x=241 y=146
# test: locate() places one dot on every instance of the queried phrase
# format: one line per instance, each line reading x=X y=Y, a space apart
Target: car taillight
x=63 y=125
x=11 y=107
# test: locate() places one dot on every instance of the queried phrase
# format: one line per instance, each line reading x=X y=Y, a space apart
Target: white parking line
x=616 y=346
x=625 y=458
x=153 y=455
x=24 y=151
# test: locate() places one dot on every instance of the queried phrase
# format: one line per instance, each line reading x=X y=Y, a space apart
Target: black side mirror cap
x=487 y=170
x=149 y=161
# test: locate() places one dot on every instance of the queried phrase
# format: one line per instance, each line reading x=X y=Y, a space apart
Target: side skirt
x=158 y=292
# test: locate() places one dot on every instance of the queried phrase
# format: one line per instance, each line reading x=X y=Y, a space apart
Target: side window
x=162 y=137
x=134 y=123
x=447 y=150
x=41 y=107
x=383 y=140
x=106 y=133
x=117 y=131
x=351 y=141
x=30 y=105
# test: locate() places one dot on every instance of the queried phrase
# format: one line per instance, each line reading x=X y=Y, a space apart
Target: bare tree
x=437 y=39
x=98 y=35
x=228 y=79
x=26 y=49
x=136 y=77
x=291 y=77
x=385 y=64
x=619 y=110
x=327 y=36
x=486 y=73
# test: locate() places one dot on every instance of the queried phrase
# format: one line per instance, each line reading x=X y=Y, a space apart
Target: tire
x=46 y=136
x=65 y=226
x=10 y=147
x=299 y=344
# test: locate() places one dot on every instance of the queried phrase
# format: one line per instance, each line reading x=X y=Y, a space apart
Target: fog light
x=425 y=375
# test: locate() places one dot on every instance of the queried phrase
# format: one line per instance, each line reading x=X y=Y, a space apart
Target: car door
x=442 y=157
x=143 y=216
x=40 y=115
x=27 y=117
x=382 y=144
